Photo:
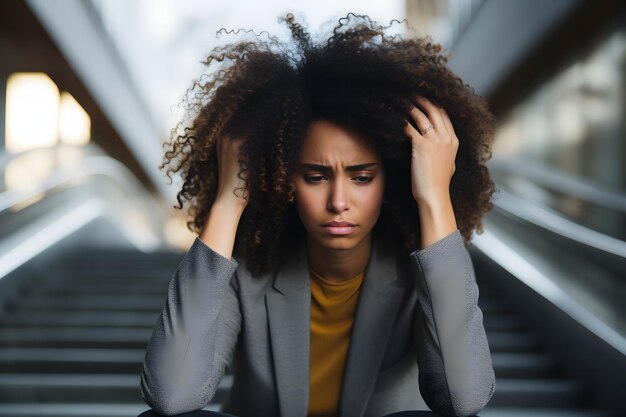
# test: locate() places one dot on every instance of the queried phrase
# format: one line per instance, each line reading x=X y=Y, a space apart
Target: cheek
x=307 y=202
x=372 y=199
x=371 y=203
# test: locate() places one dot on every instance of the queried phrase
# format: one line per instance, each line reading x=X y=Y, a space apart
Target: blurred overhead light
x=32 y=110
x=74 y=122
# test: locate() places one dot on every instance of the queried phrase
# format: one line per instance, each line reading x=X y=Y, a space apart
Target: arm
x=456 y=376
x=194 y=338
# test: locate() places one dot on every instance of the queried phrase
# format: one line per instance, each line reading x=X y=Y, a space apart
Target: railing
x=557 y=181
x=541 y=275
x=96 y=185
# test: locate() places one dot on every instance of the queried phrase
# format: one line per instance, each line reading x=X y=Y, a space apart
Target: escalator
x=529 y=377
x=50 y=330
x=73 y=341
x=76 y=319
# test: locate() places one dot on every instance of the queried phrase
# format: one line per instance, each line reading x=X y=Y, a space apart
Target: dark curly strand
x=361 y=79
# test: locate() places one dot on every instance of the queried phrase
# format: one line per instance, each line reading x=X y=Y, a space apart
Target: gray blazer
x=417 y=341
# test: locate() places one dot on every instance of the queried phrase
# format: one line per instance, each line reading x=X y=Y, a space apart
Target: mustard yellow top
x=332 y=312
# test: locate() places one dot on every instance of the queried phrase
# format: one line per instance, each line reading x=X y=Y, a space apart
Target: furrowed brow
x=326 y=168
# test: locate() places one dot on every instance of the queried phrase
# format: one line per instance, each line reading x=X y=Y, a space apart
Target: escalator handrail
x=551 y=220
x=61 y=221
x=87 y=166
x=557 y=180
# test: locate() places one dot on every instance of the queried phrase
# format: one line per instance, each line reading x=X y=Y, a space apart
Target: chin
x=339 y=242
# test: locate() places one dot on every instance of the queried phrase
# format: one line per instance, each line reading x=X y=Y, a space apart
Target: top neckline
x=333 y=283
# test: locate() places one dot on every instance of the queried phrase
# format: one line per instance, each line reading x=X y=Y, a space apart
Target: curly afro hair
x=360 y=78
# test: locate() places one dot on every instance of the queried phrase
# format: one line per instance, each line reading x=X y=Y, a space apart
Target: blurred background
x=89 y=238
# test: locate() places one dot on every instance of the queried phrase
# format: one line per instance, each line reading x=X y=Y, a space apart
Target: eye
x=317 y=179
x=313 y=178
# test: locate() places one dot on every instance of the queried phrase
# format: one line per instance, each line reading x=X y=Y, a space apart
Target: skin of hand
x=220 y=227
x=228 y=166
x=432 y=165
x=433 y=152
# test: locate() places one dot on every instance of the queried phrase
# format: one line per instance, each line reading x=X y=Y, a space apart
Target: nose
x=338 y=199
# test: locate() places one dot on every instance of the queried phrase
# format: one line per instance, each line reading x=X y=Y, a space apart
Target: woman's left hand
x=433 y=151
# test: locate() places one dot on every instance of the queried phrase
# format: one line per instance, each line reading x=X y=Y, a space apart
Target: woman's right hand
x=228 y=167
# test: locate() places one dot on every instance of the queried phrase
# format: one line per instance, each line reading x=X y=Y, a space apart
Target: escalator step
x=512 y=341
x=118 y=337
x=84 y=388
x=523 y=365
x=503 y=322
x=492 y=306
x=93 y=302
x=75 y=361
x=539 y=393
x=81 y=410
x=85 y=318
x=50 y=360
x=129 y=287
x=537 y=412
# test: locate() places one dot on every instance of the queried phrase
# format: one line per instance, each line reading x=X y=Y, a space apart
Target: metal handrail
x=560 y=181
x=86 y=166
x=549 y=219
x=499 y=251
x=60 y=222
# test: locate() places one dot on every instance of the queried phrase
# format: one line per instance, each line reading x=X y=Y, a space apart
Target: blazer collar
x=289 y=313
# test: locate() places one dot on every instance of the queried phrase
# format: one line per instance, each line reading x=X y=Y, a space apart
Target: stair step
x=522 y=365
x=84 y=388
x=503 y=322
x=79 y=291
x=104 y=255
x=128 y=287
x=124 y=257
x=80 y=410
x=539 y=393
x=163 y=274
x=118 y=337
x=102 y=267
x=97 y=277
x=538 y=412
x=85 y=318
x=491 y=306
x=92 y=302
x=51 y=360
x=512 y=341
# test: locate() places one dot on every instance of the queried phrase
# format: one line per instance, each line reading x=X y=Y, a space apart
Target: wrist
x=434 y=201
x=230 y=204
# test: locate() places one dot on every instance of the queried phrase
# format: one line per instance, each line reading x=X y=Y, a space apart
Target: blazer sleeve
x=195 y=335
x=456 y=377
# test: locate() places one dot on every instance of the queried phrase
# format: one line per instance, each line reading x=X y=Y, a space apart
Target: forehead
x=327 y=140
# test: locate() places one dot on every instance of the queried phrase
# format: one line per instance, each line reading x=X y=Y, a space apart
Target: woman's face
x=339 y=179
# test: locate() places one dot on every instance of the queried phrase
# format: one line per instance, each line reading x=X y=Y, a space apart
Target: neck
x=339 y=265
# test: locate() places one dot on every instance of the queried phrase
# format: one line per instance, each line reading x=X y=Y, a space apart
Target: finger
x=421 y=120
x=447 y=121
x=410 y=130
x=433 y=112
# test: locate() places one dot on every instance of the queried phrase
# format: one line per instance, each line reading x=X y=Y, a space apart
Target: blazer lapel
x=379 y=300
x=289 y=311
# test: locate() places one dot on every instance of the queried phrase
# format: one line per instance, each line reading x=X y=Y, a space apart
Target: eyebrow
x=326 y=168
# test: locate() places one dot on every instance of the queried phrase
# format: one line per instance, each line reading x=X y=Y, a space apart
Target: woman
x=345 y=176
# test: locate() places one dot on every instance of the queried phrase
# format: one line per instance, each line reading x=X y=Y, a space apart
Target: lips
x=338 y=224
